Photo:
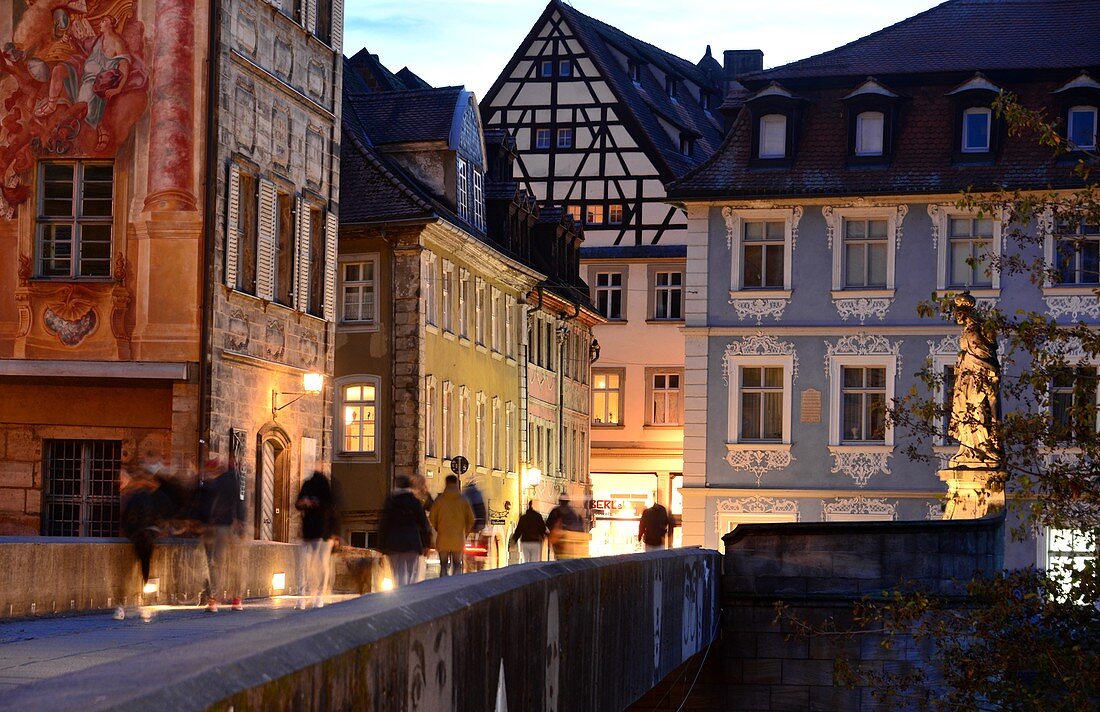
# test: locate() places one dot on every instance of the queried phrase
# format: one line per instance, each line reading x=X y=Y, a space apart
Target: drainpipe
x=525 y=449
x=209 y=225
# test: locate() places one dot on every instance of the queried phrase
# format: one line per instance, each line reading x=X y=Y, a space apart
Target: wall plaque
x=810 y=412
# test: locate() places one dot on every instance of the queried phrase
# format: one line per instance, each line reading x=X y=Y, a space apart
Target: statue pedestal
x=969 y=495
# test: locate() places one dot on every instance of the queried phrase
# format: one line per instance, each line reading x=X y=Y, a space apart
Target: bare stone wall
x=819 y=570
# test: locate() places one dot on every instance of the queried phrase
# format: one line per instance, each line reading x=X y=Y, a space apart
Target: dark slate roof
x=921 y=162
x=411 y=80
x=963 y=35
x=372 y=190
x=634 y=251
x=651 y=100
x=370 y=71
x=406 y=116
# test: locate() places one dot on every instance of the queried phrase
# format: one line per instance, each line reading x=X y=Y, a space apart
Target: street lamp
x=312 y=385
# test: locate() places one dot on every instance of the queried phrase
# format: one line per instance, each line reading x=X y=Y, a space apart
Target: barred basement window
x=80 y=491
x=74 y=219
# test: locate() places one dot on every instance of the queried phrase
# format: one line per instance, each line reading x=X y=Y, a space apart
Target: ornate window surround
x=860 y=461
x=856 y=302
x=758 y=303
x=858 y=509
x=942 y=353
x=753 y=510
x=940 y=214
x=1072 y=300
x=758 y=350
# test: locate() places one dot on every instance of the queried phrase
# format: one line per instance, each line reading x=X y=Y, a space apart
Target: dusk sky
x=469 y=41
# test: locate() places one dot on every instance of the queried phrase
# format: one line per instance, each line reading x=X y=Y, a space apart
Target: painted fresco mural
x=73 y=82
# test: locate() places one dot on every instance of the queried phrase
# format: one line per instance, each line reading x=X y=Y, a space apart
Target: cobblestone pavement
x=41 y=648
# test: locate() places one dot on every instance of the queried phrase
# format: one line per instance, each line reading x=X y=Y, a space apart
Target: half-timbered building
x=601 y=121
x=830 y=213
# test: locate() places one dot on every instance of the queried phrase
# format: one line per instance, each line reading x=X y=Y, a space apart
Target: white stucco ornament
x=759 y=462
x=759 y=344
x=861 y=465
x=862 y=307
x=1074 y=306
x=755 y=506
x=862 y=344
x=859 y=506
x=757 y=308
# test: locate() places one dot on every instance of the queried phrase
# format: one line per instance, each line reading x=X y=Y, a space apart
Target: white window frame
x=615 y=214
x=495 y=434
x=835 y=218
x=621 y=390
x=462 y=189
x=431 y=397
x=481 y=431
x=510 y=339
x=479 y=311
x=430 y=287
x=447 y=420
x=836 y=363
x=764 y=121
x=948 y=239
x=735 y=225
x=540 y=135
x=1050 y=241
x=370 y=324
x=339 y=385
x=985 y=111
x=664 y=292
x=863 y=118
x=495 y=320
x=594 y=214
x=1083 y=108
x=565 y=138
x=479 y=200
x=653 y=393
x=597 y=270
x=1074 y=361
x=733 y=429
x=941 y=215
x=447 y=289
x=509 y=437
x=463 y=428
x=464 y=308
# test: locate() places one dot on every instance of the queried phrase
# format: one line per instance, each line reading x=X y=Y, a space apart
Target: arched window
x=869 y=133
x=773 y=136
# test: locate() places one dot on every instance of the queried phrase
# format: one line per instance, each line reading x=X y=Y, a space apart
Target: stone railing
x=585 y=634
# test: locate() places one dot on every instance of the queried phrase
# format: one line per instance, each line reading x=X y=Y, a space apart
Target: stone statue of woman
x=975 y=402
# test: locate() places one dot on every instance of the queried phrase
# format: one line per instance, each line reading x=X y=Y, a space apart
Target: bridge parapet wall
x=586 y=634
x=818 y=570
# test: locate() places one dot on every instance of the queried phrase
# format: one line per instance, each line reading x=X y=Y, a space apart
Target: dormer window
x=670 y=87
x=635 y=71
x=687 y=145
x=707 y=100
x=773 y=136
x=976 y=124
x=869 y=133
x=1081 y=127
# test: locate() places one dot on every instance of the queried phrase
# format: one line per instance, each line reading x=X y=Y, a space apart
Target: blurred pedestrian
x=654 y=527
x=316 y=504
x=221 y=508
x=477 y=504
x=452 y=517
x=404 y=533
x=140 y=517
x=567 y=535
x=530 y=532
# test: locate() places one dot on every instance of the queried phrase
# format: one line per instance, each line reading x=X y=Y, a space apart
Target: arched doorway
x=272 y=504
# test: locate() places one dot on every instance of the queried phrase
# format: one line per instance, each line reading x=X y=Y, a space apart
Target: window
x=248 y=233
x=947 y=391
x=80 y=488
x=323 y=28
x=74 y=219
x=482 y=426
x=607 y=397
x=763 y=254
x=1070 y=550
x=565 y=68
x=479 y=200
x=1082 y=127
x=970 y=252
x=595 y=214
x=1078 y=254
x=687 y=145
x=359 y=402
x=761 y=404
x=863 y=403
x=430 y=406
x=499 y=324
x=670 y=87
x=666 y=398
x=869 y=132
x=509 y=436
x=773 y=136
x=495 y=433
x=976 y=130
x=1073 y=403
x=316 y=262
x=447 y=424
x=463 y=421
x=428 y=285
x=464 y=304
x=509 y=328
x=565 y=138
x=448 y=294
x=615 y=214
x=574 y=211
x=609 y=294
x=463 y=190
x=668 y=295
x=542 y=138
x=284 y=249
x=358 y=288
x=865 y=251
x=635 y=71
x=547 y=68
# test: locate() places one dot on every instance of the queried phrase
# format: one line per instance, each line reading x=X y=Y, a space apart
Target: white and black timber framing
x=639 y=117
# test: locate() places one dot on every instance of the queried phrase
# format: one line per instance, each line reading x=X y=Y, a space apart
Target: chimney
x=741 y=61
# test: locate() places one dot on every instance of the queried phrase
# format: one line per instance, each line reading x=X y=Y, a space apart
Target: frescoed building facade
x=601 y=121
x=829 y=214
x=159 y=274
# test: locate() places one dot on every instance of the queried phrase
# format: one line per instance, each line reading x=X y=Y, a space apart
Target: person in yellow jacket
x=452 y=518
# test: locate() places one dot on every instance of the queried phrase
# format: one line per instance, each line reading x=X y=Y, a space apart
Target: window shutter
x=310 y=12
x=331 y=226
x=265 y=263
x=232 y=225
x=337 y=24
x=301 y=273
